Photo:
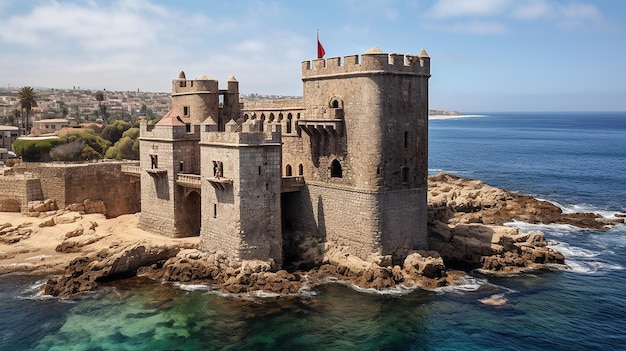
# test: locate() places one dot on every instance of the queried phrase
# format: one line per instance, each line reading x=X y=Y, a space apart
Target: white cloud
x=533 y=9
x=464 y=8
x=576 y=15
x=503 y=13
x=130 y=44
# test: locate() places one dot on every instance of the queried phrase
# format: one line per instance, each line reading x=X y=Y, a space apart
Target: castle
x=347 y=163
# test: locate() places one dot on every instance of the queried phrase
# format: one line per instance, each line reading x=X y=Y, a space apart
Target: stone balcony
x=291 y=184
x=189 y=180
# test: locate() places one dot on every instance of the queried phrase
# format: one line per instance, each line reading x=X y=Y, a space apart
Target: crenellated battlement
x=373 y=61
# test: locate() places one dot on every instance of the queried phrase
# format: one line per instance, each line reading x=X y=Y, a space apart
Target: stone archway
x=191 y=214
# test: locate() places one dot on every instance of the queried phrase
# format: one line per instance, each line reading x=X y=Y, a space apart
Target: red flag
x=320 y=49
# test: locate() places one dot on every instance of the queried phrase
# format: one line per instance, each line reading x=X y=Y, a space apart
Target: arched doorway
x=191 y=214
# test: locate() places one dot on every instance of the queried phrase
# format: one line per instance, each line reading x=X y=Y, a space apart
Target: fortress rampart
x=368 y=63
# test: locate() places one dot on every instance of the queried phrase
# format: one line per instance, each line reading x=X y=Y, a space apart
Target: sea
x=576 y=160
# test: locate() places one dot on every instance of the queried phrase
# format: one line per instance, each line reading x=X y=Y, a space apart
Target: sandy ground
x=36 y=253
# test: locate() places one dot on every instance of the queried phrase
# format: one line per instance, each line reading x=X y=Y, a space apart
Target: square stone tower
x=365 y=152
x=168 y=150
x=241 y=171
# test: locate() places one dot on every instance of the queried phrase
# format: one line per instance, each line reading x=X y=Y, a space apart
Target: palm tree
x=99 y=96
x=27 y=100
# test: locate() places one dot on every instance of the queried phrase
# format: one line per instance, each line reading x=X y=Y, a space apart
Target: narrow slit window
x=406 y=140
x=335 y=169
x=405 y=174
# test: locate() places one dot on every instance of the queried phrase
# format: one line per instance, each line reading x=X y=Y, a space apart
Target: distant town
x=81 y=105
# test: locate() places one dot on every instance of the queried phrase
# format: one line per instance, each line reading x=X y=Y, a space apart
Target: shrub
x=35 y=150
x=68 y=152
x=127 y=147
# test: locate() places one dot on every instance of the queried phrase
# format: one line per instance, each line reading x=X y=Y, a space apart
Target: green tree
x=27 y=100
x=99 y=96
x=127 y=147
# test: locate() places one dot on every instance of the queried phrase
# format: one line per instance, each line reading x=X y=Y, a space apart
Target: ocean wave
x=553 y=229
x=586 y=208
x=572 y=252
x=467 y=283
x=592 y=267
x=398 y=290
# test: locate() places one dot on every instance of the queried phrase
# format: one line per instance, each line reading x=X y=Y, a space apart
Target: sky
x=486 y=55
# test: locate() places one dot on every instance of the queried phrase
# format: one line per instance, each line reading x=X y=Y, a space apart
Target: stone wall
x=370 y=224
x=17 y=191
x=76 y=182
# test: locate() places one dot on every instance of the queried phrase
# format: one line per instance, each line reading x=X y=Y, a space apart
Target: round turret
x=181 y=75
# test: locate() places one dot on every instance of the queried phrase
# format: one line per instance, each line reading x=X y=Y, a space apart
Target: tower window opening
x=406 y=140
x=185 y=111
x=335 y=169
x=259 y=170
x=214 y=210
x=405 y=174
x=188 y=127
x=181 y=166
x=288 y=127
x=288 y=170
x=301 y=169
x=183 y=83
x=154 y=161
x=218 y=169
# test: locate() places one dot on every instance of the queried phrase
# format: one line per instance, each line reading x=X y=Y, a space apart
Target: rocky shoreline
x=466 y=230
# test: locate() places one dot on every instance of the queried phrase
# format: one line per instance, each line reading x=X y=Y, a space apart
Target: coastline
x=453 y=116
x=466 y=226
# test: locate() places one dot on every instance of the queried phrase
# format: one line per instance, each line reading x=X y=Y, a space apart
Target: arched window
x=288 y=170
x=245 y=117
x=336 y=102
x=261 y=125
x=301 y=169
x=335 y=169
x=271 y=119
x=288 y=126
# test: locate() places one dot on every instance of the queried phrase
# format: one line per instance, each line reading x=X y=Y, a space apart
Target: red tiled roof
x=172 y=118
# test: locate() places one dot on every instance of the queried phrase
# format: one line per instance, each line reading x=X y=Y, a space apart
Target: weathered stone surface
x=465 y=226
x=10 y=205
x=457 y=200
x=84 y=273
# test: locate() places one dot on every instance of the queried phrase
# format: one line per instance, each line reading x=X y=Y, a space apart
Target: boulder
x=86 y=272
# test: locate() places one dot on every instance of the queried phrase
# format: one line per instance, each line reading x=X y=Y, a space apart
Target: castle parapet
x=370 y=62
x=248 y=133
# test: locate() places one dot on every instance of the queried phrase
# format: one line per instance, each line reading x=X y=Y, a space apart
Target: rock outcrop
x=466 y=220
x=84 y=273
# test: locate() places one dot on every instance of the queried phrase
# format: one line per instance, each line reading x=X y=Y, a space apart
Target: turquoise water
x=576 y=160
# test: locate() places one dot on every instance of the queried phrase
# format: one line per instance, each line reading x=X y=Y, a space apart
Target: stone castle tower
x=346 y=164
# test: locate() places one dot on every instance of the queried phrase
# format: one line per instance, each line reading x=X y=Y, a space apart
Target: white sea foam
x=585 y=208
x=573 y=252
x=553 y=229
x=193 y=287
x=467 y=284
